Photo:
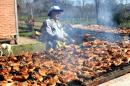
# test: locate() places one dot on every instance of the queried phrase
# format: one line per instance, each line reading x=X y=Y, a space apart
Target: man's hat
x=54 y=8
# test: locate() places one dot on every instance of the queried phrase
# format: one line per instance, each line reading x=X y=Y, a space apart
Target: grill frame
x=119 y=71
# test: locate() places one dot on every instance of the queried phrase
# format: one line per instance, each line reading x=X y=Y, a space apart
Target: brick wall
x=7 y=18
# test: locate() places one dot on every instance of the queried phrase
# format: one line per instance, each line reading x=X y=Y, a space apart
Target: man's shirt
x=54 y=28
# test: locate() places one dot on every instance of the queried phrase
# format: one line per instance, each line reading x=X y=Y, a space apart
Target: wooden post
x=16 y=19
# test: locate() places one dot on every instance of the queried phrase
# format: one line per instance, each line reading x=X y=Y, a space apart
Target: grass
x=23 y=32
x=82 y=21
x=19 y=49
x=37 y=19
x=40 y=19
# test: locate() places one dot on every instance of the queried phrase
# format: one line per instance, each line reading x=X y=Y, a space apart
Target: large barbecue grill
x=98 y=55
x=71 y=65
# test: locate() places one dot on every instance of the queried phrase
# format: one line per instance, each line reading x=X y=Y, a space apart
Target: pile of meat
x=101 y=28
x=65 y=66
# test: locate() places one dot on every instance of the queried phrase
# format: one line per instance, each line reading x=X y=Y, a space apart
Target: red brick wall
x=7 y=18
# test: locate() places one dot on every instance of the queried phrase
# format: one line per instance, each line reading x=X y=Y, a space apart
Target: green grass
x=23 y=32
x=78 y=21
x=37 y=19
x=83 y=21
x=19 y=49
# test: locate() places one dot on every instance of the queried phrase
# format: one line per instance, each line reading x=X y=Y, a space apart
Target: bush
x=122 y=16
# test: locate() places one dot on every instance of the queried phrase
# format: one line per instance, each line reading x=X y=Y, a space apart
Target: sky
x=91 y=1
x=76 y=2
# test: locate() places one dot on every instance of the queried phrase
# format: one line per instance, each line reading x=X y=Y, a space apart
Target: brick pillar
x=7 y=18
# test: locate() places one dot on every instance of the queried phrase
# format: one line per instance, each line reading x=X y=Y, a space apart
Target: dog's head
x=5 y=46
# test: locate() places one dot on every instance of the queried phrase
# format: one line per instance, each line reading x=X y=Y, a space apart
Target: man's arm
x=46 y=27
x=39 y=32
x=49 y=29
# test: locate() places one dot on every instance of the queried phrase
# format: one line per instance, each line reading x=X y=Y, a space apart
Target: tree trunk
x=97 y=11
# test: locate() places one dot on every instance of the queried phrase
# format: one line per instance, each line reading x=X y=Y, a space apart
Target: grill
x=68 y=66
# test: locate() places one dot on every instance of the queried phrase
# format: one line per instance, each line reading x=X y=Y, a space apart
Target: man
x=52 y=33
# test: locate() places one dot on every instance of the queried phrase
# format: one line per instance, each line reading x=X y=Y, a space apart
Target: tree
x=126 y=2
x=121 y=1
x=82 y=8
x=97 y=3
x=104 y=11
x=21 y=6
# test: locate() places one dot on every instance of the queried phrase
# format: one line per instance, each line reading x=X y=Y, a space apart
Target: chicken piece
x=98 y=42
x=88 y=74
x=51 y=81
x=5 y=83
x=48 y=63
x=9 y=68
x=34 y=84
x=27 y=54
x=79 y=61
x=87 y=35
x=25 y=83
x=23 y=70
x=15 y=66
x=13 y=58
x=18 y=78
x=104 y=65
x=128 y=52
x=52 y=70
x=37 y=76
x=4 y=70
x=67 y=76
x=127 y=56
x=91 y=62
x=31 y=67
x=3 y=59
x=87 y=44
x=42 y=71
x=7 y=77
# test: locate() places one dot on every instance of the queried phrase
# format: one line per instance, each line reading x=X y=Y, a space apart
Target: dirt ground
x=26 y=40
x=121 y=81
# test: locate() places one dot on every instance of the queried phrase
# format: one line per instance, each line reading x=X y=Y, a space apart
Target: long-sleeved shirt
x=52 y=30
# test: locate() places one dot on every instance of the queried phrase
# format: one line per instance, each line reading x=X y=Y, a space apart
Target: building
x=8 y=21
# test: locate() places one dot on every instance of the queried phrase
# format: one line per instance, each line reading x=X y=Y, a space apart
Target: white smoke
x=106 y=12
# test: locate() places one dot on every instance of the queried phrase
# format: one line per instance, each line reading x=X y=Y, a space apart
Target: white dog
x=6 y=47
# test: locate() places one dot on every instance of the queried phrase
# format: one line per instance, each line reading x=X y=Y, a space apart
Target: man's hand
x=37 y=33
x=73 y=41
x=59 y=44
x=62 y=39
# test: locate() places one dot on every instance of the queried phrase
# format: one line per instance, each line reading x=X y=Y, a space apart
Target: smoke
x=72 y=14
x=106 y=12
x=28 y=1
x=68 y=16
x=86 y=11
